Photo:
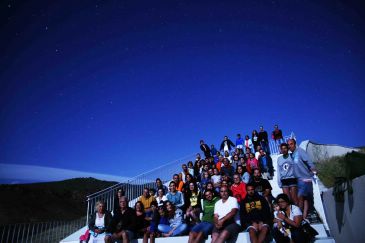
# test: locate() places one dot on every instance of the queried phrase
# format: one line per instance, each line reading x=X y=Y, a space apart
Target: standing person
x=303 y=170
x=264 y=140
x=201 y=231
x=213 y=150
x=205 y=148
x=255 y=139
x=99 y=221
x=265 y=163
x=277 y=135
x=191 y=168
x=255 y=215
x=286 y=178
x=226 y=144
x=123 y=224
x=226 y=218
x=239 y=142
x=248 y=143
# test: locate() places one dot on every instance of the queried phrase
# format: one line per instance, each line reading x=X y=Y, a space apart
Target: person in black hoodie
x=123 y=224
x=255 y=215
x=226 y=144
x=264 y=140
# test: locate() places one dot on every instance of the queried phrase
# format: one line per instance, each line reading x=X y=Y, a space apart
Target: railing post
x=87 y=212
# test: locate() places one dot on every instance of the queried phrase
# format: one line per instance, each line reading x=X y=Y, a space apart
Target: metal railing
x=133 y=187
x=39 y=232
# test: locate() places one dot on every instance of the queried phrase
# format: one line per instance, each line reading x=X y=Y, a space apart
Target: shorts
x=204 y=227
x=289 y=182
x=252 y=227
x=305 y=189
x=232 y=228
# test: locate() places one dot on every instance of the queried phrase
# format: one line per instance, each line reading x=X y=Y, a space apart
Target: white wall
x=352 y=221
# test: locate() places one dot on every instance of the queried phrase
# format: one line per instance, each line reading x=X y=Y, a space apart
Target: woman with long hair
x=176 y=222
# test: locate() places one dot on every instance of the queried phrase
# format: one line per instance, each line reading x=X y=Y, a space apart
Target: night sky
x=120 y=86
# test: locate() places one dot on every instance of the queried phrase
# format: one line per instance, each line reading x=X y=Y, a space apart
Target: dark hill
x=47 y=201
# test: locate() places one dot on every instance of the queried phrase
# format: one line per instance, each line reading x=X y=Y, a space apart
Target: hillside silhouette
x=47 y=201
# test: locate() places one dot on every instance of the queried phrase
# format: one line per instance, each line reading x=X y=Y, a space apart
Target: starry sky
x=116 y=87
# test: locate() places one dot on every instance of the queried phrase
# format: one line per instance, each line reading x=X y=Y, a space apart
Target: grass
x=350 y=166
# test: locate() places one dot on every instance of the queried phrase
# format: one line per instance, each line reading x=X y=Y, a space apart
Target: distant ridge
x=47 y=201
x=18 y=174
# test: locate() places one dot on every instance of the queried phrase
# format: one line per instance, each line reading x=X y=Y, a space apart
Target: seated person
x=99 y=221
x=141 y=222
x=178 y=183
x=161 y=198
x=255 y=215
x=289 y=217
x=153 y=221
x=146 y=199
x=176 y=224
x=192 y=204
x=262 y=186
x=238 y=188
x=203 y=229
x=159 y=185
x=226 y=217
x=123 y=224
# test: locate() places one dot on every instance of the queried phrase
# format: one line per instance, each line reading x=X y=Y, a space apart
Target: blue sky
x=116 y=87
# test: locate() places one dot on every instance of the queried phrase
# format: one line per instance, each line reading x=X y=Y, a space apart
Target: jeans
x=204 y=227
x=181 y=229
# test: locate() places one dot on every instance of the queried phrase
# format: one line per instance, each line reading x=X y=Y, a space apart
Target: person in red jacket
x=238 y=188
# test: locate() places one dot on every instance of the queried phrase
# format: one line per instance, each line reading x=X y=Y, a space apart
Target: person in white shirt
x=226 y=217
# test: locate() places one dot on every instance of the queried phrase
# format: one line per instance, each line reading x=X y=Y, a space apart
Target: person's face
x=291 y=145
x=101 y=208
x=119 y=193
x=161 y=211
x=261 y=128
x=226 y=154
x=169 y=206
x=224 y=192
x=190 y=165
x=225 y=138
x=224 y=183
x=208 y=195
x=152 y=193
x=184 y=167
x=210 y=186
x=235 y=157
x=262 y=152
x=247 y=137
x=282 y=204
x=158 y=182
x=123 y=203
x=153 y=207
x=146 y=192
x=250 y=191
x=257 y=174
x=236 y=179
x=239 y=169
x=188 y=177
x=216 y=171
x=191 y=186
x=138 y=207
x=206 y=167
x=172 y=187
x=252 y=156
x=160 y=192
x=210 y=171
x=175 y=179
x=284 y=150
x=225 y=161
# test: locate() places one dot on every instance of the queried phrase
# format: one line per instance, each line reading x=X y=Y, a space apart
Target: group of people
x=225 y=193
